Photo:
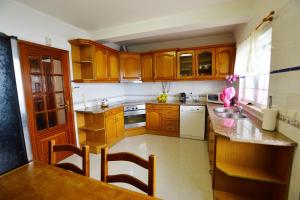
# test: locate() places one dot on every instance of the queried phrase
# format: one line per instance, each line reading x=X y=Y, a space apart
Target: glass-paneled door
x=46 y=76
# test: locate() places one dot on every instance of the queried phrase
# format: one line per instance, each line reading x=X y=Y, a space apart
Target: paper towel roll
x=269 y=119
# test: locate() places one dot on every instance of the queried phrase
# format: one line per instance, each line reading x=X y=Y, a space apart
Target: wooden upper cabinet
x=113 y=65
x=164 y=65
x=205 y=63
x=100 y=63
x=147 y=67
x=130 y=66
x=186 y=64
x=224 y=61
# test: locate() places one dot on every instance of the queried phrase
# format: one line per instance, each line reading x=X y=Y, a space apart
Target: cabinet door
x=224 y=61
x=120 y=124
x=100 y=63
x=113 y=63
x=170 y=125
x=110 y=129
x=153 y=121
x=205 y=63
x=130 y=66
x=164 y=65
x=186 y=64
x=147 y=67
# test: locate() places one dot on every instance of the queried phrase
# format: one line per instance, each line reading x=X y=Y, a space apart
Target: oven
x=135 y=116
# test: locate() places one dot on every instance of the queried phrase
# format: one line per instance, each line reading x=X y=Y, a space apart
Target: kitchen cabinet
x=101 y=64
x=110 y=129
x=186 y=64
x=113 y=66
x=205 y=63
x=93 y=62
x=163 y=119
x=164 y=65
x=130 y=67
x=100 y=129
x=147 y=67
x=153 y=119
x=224 y=61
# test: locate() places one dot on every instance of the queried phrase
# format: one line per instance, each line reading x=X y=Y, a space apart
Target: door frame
x=23 y=52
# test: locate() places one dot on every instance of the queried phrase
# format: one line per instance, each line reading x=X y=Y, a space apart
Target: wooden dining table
x=37 y=180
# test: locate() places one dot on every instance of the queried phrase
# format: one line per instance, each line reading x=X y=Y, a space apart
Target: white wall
x=31 y=25
x=284 y=87
x=191 y=42
x=152 y=90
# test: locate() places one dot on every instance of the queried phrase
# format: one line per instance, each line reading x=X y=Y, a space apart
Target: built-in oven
x=135 y=116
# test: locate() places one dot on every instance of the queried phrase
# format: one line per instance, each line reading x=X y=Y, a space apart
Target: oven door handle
x=132 y=113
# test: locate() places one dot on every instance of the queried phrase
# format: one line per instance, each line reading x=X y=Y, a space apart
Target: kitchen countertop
x=246 y=130
x=98 y=110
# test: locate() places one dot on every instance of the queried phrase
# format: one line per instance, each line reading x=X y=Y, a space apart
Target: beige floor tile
x=182 y=166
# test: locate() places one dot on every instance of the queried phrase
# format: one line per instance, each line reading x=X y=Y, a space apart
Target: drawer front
x=153 y=106
x=170 y=114
x=114 y=111
x=170 y=125
x=170 y=107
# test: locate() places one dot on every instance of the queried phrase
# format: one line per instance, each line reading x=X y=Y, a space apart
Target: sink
x=232 y=115
x=223 y=110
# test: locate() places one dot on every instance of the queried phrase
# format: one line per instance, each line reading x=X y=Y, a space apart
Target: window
x=253 y=66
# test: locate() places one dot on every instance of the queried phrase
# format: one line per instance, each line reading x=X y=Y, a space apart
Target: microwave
x=214 y=98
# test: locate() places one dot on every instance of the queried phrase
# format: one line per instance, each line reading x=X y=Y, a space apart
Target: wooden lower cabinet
x=100 y=129
x=163 y=119
x=153 y=120
x=248 y=170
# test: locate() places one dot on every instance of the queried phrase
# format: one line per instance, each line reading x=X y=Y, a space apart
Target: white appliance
x=214 y=98
x=192 y=122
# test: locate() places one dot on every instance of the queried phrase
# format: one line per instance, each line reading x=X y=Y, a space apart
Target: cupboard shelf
x=220 y=195
x=249 y=173
x=91 y=128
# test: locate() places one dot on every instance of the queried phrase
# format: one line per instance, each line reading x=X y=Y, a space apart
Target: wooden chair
x=84 y=154
x=123 y=156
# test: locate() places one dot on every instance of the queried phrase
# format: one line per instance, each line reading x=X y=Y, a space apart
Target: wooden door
x=120 y=124
x=130 y=66
x=224 y=61
x=164 y=65
x=153 y=119
x=113 y=63
x=110 y=129
x=100 y=63
x=205 y=63
x=186 y=64
x=147 y=67
x=45 y=73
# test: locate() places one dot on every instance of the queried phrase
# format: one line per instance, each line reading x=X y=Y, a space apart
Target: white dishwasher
x=192 y=122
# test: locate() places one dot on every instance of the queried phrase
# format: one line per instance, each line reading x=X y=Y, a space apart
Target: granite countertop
x=246 y=130
x=98 y=109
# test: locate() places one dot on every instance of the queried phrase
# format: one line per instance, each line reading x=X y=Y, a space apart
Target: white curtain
x=253 y=65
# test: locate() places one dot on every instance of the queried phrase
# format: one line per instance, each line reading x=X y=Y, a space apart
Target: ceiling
x=180 y=35
x=138 y=21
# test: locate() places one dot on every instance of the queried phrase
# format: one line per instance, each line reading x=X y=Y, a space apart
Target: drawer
x=170 y=114
x=153 y=106
x=170 y=107
x=170 y=125
x=114 y=111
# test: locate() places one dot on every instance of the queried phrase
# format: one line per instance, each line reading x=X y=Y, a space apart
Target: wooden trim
x=23 y=42
x=90 y=42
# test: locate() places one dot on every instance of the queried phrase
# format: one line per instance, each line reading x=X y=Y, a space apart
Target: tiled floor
x=182 y=166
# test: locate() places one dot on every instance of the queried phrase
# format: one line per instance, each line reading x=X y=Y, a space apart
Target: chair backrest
x=123 y=156
x=83 y=153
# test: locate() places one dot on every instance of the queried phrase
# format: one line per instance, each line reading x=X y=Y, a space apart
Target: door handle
x=67 y=105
